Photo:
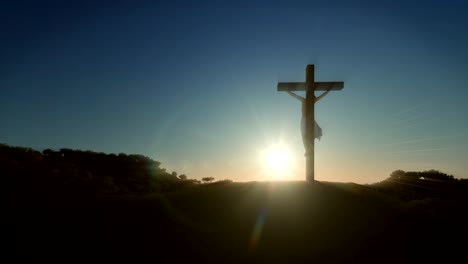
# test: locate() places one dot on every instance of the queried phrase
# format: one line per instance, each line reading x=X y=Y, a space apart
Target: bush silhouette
x=208 y=179
x=423 y=175
x=85 y=172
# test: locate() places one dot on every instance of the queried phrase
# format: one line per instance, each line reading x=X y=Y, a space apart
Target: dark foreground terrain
x=71 y=204
x=285 y=222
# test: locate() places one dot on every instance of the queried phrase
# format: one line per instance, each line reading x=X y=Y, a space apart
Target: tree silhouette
x=75 y=171
x=397 y=174
x=207 y=179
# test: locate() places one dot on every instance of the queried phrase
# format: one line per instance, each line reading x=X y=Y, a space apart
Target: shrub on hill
x=69 y=171
x=421 y=187
x=434 y=175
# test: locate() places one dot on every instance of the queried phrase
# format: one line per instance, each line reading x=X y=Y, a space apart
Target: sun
x=276 y=162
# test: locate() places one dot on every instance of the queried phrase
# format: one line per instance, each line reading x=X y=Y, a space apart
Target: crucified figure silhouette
x=308 y=142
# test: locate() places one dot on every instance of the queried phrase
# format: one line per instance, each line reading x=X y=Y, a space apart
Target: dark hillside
x=73 y=204
x=286 y=221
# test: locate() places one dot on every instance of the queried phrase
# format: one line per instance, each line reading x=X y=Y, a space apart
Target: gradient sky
x=193 y=83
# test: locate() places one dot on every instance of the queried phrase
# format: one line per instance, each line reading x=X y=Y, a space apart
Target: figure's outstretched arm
x=300 y=98
x=324 y=93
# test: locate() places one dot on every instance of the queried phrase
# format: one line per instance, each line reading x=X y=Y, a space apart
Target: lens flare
x=257 y=231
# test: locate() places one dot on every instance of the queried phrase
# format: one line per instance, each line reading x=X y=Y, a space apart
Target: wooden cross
x=310 y=86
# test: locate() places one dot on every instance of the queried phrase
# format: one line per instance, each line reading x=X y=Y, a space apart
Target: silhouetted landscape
x=76 y=203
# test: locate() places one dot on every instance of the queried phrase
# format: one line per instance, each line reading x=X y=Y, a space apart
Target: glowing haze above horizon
x=193 y=85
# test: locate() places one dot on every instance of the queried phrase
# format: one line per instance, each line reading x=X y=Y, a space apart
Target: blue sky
x=193 y=84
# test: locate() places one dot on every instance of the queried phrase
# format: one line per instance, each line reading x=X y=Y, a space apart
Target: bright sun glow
x=276 y=162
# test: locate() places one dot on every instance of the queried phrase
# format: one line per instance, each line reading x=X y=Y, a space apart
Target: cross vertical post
x=310 y=120
x=310 y=86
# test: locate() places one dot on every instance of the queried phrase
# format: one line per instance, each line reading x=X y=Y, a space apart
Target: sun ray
x=417 y=140
x=420 y=150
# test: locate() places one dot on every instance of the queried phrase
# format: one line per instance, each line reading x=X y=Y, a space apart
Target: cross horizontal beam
x=302 y=86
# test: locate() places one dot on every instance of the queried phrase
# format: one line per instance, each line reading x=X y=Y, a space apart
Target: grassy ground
x=281 y=222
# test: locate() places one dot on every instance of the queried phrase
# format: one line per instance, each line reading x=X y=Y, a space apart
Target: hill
x=243 y=222
x=53 y=212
